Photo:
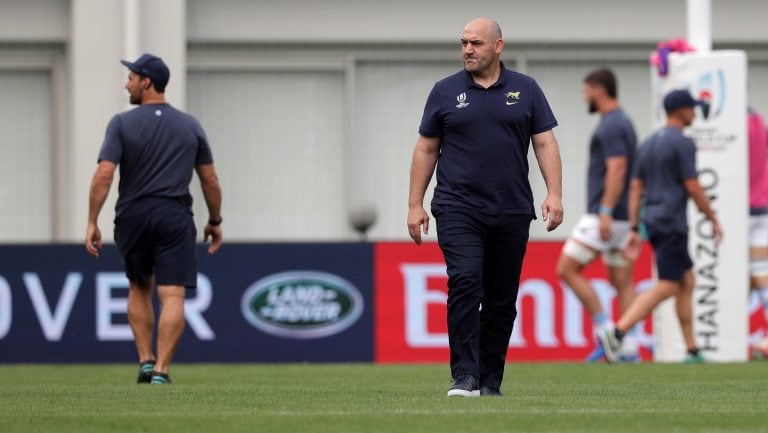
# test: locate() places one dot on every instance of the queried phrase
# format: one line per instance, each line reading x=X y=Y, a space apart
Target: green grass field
x=369 y=398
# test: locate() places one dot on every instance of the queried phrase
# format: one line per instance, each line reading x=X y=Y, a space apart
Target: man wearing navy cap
x=477 y=127
x=149 y=66
x=665 y=175
x=157 y=148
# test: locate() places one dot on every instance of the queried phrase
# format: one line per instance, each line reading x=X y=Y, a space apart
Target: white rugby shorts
x=587 y=231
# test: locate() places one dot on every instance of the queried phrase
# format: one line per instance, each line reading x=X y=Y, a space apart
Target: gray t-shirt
x=157 y=148
x=666 y=160
x=614 y=136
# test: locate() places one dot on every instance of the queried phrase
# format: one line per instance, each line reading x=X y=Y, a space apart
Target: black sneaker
x=464 y=386
x=160 y=379
x=145 y=372
x=490 y=391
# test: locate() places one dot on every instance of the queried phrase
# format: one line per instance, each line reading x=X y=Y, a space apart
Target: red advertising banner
x=411 y=289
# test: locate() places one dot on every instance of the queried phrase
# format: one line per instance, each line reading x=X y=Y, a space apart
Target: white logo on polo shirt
x=462 y=98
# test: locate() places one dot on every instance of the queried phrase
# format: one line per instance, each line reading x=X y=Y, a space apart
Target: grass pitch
x=370 y=398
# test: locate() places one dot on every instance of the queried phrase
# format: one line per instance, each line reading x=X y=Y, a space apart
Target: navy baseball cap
x=679 y=99
x=150 y=66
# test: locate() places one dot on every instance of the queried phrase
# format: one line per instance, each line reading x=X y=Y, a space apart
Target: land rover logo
x=302 y=304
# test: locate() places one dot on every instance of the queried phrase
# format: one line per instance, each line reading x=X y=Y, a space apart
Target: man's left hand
x=552 y=212
x=215 y=234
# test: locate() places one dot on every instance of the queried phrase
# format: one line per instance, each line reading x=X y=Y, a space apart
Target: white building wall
x=162 y=30
x=94 y=95
x=385 y=56
x=410 y=21
x=34 y=21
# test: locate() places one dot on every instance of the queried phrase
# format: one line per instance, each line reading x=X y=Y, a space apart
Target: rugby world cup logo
x=711 y=90
x=462 y=98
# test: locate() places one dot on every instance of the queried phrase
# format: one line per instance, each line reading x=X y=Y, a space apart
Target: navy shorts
x=157 y=237
x=672 y=258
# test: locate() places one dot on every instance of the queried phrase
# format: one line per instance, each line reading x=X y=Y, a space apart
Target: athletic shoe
x=596 y=355
x=490 y=391
x=693 y=359
x=610 y=343
x=630 y=349
x=145 y=372
x=630 y=358
x=160 y=379
x=464 y=386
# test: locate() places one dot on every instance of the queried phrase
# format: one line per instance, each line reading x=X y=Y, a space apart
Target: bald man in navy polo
x=476 y=129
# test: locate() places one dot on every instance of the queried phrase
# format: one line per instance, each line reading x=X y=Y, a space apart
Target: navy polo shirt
x=665 y=161
x=614 y=136
x=157 y=148
x=484 y=139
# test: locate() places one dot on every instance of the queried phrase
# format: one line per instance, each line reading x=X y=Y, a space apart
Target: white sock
x=631 y=345
x=601 y=320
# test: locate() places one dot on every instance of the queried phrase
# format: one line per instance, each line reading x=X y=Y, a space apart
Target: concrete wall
x=582 y=21
x=92 y=35
x=34 y=20
x=261 y=21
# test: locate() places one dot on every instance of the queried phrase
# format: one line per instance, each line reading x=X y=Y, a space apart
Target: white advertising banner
x=720 y=316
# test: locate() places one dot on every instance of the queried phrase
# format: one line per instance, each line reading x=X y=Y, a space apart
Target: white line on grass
x=288 y=413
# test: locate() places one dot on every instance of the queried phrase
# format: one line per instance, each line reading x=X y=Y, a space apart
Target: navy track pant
x=484 y=256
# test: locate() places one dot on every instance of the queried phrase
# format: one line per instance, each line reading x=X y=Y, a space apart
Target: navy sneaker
x=145 y=372
x=464 y=386
x=693 y=359
x=630 y=358
x=160 y=379
x=490 y=391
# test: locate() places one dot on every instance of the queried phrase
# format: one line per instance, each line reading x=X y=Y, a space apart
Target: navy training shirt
x=614 y=136
x=484 y=139
x=665 y=161
x=157 y=148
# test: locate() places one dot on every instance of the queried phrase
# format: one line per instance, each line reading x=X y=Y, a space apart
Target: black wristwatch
x=636 y=229
x=213 y=223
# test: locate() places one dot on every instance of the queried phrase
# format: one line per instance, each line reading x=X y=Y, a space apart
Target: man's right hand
x=93 y=240
x=417 y=217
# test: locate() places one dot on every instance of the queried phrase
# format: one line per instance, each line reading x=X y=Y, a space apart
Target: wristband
x=213 y=223
x=636 y=229
x=605 y=210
